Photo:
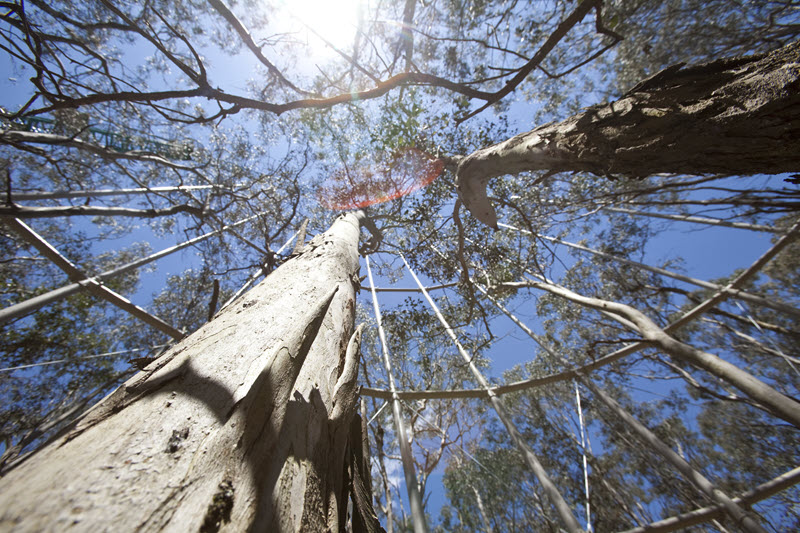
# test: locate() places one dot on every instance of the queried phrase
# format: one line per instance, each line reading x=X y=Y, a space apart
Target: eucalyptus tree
x=719 y=28
x=59 y=180
x=284 y=397
x=579 y=337
x=257 y=407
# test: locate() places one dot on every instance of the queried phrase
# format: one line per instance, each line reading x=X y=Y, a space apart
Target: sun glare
x=334 y=21
x=391 y=177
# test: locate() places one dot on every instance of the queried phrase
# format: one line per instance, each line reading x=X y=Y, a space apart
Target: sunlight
x=334 y=21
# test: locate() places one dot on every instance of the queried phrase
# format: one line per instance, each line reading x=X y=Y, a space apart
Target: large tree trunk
x=733 y=116
x=244 y=425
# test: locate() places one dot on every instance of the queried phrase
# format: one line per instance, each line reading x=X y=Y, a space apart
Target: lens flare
x=408 y=170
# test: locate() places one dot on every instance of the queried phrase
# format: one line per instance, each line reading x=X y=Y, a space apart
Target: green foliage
x=36 y=396
x=185 y=299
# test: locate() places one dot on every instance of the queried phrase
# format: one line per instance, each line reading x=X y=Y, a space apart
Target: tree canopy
x=547 y=169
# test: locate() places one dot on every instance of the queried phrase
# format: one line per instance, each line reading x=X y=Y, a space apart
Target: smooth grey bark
x=569 y=522
x=243 y=425
x=412 y=485
x=734 y=116
x=679 y=463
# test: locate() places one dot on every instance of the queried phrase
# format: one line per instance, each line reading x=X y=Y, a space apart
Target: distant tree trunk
x=487 y=525
x=733 y=116
x=243 y=426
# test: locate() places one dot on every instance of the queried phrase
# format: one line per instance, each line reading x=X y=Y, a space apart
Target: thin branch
x=16 y=211
x=561 y=31
x=19 y=138
x=247 y=39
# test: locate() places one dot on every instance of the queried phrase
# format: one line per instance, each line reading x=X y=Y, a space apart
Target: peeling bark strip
x=243 y=426
x=732 y=116
x=364 y=517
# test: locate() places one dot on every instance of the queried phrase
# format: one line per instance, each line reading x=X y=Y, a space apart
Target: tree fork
x=243 y=425
x=736 y=116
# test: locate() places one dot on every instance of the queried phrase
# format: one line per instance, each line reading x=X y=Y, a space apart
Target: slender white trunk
x=696 y=220
x=584 y=440
x=487 y=525
x=406 y=455
x=679 y=463
x=569 y=522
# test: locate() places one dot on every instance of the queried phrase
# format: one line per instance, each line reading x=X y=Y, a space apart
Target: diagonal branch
x=17 y=211
x=14 y=138
x=76 y=275
x=778 y=404
x=561 y=31
x=247 y=39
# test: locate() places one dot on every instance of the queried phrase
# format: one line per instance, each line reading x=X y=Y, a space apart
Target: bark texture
x=733 y=116
x=243 y=426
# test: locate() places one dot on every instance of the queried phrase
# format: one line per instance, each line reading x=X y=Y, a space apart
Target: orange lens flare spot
x=407 y=171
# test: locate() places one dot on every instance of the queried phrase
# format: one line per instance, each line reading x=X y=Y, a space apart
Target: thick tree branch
x=730 y=117
x=61 y=99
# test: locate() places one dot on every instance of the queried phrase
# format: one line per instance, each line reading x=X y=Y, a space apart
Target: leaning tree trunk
x=243 y=425
x=733 y=116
